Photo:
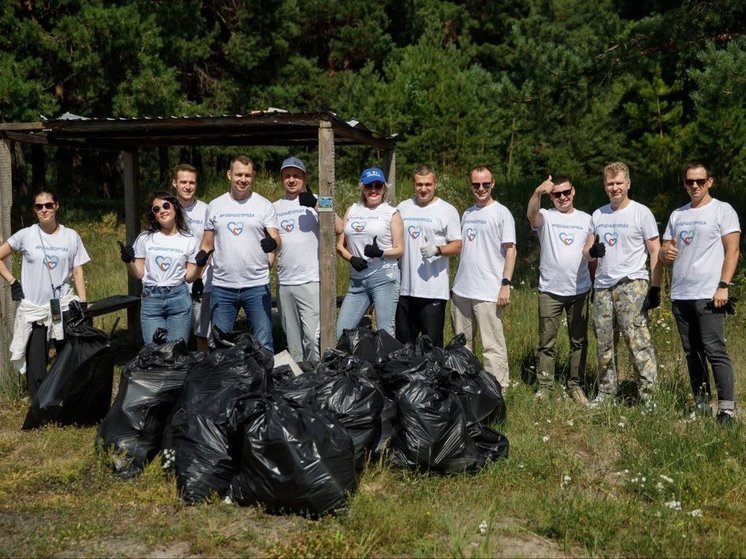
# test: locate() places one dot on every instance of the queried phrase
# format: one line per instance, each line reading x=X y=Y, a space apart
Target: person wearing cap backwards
x=372 y=241
x=241 y=227
x=298 y=262
x=184 y=183
x=481 y=289
x=432 y=233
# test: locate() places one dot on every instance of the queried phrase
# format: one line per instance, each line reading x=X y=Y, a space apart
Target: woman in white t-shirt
x=163 y=258
x=53 y=258
x=372 y=242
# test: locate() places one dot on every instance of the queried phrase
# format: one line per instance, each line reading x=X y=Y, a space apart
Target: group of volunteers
x=200 y=263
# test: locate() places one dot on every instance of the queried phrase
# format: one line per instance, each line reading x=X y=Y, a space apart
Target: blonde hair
x=616 y=168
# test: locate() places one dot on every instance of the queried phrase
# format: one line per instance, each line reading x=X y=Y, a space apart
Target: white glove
x=428 y=251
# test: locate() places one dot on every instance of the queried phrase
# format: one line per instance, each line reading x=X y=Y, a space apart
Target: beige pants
x=467 y=315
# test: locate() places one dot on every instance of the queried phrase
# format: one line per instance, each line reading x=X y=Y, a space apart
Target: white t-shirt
x=48 y=260
x=699 y=233
x=196 y=215
x=298 y=260
x=238 y=260
x=165 y=257
x=435 y=224
x=562 y=269
x=480 y=270
x=624 y=232
x=361 y=226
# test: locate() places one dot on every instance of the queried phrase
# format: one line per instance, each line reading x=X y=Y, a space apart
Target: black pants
x=37 y=356
x=415 y=315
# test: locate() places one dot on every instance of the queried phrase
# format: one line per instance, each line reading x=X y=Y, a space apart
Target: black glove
x=198 y=288
x=728 y=308
x=127 y=253
x=597 y=250
x=652 y=299
x=372 y=251
x=307 y=198
x=268 y=243
x=16 y=291
x=83 y=305
x=358 y=263
x=201 y=258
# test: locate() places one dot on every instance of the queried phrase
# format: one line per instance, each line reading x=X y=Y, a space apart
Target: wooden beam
x=327 y=240
x=131 y=179
x=389 y=170
x=7 y=306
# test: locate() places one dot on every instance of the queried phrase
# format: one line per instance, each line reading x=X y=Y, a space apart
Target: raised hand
x=126 y=253
x=201 y=258
x=372 y=250
x=268 y=243
x=307 y=198
x=598 y=249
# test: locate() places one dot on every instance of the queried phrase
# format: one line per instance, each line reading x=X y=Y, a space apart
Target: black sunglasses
x=478 y=185
x=165 y=206
x=700 y=182
x=376 y=185
x=565 y=193
x=47 y=205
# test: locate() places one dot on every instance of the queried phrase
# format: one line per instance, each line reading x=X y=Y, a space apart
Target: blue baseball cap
x=293 y=162
x=374 y=174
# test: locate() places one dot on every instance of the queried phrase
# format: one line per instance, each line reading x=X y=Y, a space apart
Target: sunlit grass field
x=614 y=482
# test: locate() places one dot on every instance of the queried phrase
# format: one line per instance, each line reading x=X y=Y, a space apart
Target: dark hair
x=243 y=160
x=561 y=180
x=186 y=167
x=423 y=170
x=154 y=226
x=45 y=191
x=697 y=165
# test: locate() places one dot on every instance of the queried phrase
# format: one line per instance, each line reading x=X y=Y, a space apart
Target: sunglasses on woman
x=157 y=209
x=45 y=205
x=374 y=185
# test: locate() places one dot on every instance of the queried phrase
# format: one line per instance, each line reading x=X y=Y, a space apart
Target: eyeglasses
x=478 y=185
x=700 y=182
x=157 y=209
x=374 y=185
x=45 y=205
x=565 y=193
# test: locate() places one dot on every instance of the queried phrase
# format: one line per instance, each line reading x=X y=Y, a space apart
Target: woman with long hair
x=372 y=242
x=53 y=257
x=163 y=257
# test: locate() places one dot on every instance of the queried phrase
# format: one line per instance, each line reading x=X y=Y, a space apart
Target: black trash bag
x=77 y=390
x=244 y=340
x=202 y=437
x=431 y=432
x=388 y=424
x=149 y=387
x=372 y=347
x=294 y=458
x=280 y=376
x=491 y=444
x=301 y=388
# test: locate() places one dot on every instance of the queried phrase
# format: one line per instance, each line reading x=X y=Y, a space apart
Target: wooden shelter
x=273 y=127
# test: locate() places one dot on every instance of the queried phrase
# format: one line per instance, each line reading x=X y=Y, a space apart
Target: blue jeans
x=256 y=303
x=381 y=289
x=166 y=307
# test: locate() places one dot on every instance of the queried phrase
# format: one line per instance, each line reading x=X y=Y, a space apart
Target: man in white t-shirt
x=481 y=289
x=241 y=227
x=702 y=241
x=625 y=236
x=298 y=262
x=184 y=183
x=432 y=233
x=564 y=282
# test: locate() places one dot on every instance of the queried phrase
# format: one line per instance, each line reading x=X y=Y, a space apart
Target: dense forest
x=529 y=86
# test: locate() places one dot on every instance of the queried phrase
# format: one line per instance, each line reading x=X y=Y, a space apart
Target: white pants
x=468 y=314
x=299 y=313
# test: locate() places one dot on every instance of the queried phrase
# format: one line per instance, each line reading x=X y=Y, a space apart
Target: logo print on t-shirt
x=471 y=234
x=51 y=262
x=358 y=226
x=163 y=262
x=567 y=238
x=235 y=227
x=414 y=231
x=288 y=224
x=687 y=237
x=611 y=238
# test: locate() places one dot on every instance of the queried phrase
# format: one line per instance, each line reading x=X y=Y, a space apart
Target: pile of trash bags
x=229 y=424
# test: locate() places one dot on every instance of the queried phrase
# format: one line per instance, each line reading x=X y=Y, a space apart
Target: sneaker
x=600 y=399
x=578 y=395
x=726 y=417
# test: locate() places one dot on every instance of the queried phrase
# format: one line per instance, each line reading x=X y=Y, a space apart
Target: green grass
x=613 y=482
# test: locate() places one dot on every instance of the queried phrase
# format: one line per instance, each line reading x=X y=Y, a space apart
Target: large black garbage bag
x=491 y=445
x=77 y=390
x=244 y=340
x=431 y=432
x=148 y=390
x=294 y=458
x=202 y=438
x=372 y=347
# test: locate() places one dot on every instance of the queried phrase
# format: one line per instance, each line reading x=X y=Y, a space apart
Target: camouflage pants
x=621 y=306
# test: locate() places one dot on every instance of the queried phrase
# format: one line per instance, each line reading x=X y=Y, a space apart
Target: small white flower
x=545 y=438
x=521 y=466
x=570 y=422
x=621 y=424
x=673 y=505
x=666 y=478
x=567 y=479
x=659 y=486
x=549 y=420
x=483 y=527
x=696 y=513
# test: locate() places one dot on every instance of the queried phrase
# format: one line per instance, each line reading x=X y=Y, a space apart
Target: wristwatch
x=506 y=281
x=723 y=285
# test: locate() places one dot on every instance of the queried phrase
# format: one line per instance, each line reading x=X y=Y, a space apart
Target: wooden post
x=131 y=179
x=327 y=240
x=389 y=169
x=7 y=306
